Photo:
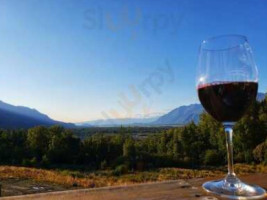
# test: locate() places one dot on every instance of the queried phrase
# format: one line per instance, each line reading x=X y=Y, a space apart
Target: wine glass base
x=237 y=190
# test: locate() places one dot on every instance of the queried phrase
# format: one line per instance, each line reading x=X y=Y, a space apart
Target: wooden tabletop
x=168 y=190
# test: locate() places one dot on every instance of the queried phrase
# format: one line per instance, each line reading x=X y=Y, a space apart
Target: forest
x=192 y=146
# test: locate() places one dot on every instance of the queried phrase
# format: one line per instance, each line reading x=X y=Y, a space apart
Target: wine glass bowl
x=227 y=84
x=226 y=58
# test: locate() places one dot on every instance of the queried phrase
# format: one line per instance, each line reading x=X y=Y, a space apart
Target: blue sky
x=83 y=60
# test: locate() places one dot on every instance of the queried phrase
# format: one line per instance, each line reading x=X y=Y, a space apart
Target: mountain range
x=12 y=117
x=181 y=115
x=119 y=122
x=178 y=116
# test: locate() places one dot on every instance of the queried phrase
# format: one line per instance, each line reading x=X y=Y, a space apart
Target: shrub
x=103 y=164
x=26 y=162
x=259 y=153
x=212 y=157
x=45 y=161
x=121 y=160
x=33 y=162
x=265 y=158
x=121 y=169
x=239 y=157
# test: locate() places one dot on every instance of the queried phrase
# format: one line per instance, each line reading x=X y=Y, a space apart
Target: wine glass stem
x=228 y=127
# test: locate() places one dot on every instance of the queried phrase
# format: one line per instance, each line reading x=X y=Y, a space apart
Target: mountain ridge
x=178 y=116
x=12 y=117
x=118 y=122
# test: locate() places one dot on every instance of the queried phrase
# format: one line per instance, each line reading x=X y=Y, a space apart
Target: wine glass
x=227 y=84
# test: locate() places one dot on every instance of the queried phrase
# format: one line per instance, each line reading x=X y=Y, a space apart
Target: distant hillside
x=185 y=114
x=118 y=122
x=12 y=117
x=181 y=115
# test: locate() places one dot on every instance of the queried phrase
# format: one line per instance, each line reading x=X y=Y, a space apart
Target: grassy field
x=68 y=178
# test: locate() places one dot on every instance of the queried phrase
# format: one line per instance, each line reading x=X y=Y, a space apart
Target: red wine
x=227 y=101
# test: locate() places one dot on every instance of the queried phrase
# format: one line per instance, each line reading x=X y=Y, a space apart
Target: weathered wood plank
x=169 y=190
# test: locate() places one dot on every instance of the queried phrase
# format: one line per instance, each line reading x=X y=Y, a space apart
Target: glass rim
x=242 y=38
x=201 y=85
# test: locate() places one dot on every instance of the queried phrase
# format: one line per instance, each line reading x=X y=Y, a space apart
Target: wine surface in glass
x=227 y=101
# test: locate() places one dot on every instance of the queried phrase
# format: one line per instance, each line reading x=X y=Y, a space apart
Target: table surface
x=168 y=190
